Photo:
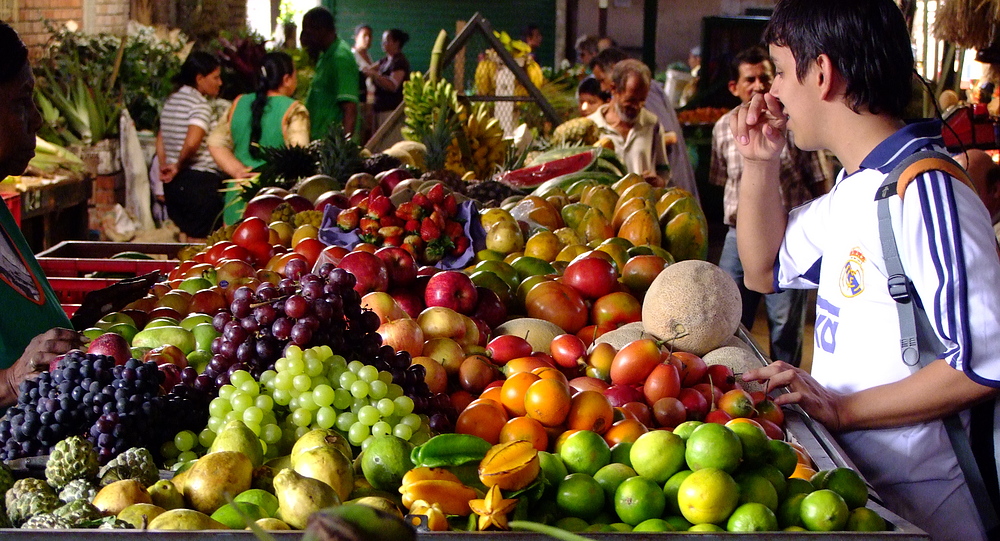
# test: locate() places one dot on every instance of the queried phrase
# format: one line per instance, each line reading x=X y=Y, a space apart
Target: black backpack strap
x=911 y=315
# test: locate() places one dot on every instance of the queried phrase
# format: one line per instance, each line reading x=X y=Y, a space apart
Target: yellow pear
x=215 y=475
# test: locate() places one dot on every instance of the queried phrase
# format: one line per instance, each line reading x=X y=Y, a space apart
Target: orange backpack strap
x=930 y=160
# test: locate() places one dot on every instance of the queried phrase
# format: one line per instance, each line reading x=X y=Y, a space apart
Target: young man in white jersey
x=842 y=80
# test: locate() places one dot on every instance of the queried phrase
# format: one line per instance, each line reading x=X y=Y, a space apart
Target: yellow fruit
x=284 y=231
x=544 y=245
x=511 y=466
x=707 y=496
x=505 y=238
x=625 y=182
x=303 y=232
x=568 y=235
x=570 y=252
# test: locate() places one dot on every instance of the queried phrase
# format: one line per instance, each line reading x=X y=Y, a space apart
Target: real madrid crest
x=852 y=277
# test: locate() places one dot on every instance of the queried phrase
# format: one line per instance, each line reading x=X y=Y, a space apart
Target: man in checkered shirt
x=802 y=179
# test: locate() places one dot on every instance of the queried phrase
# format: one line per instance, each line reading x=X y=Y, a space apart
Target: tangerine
x=802 y=472
x=513 y=390
x=527 y=429
x=626 y=430
x=590 y=410
x=550 y=372
x=484 y=418
x=547 y=401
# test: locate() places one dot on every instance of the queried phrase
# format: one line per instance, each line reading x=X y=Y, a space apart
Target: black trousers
x=194 y=202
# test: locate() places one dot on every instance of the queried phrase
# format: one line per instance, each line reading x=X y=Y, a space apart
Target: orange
x=802 y=472
x=625 y=430
x=550 y=372
x=513 y=390
x=590 y=410
x=493 y=393
x=620 y=414
x=804 y=457
x=547 y=401
x=527 y=429
x=483 y=418
x=461 y=399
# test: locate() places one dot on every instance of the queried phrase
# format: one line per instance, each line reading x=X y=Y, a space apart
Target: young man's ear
x=824 y=71
x=732 y=88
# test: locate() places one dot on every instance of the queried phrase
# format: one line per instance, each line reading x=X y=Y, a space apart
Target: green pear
x=213 y=477
x=204 y=333
x=300 y=496
x=195 y=284
x=279 y=463
x=139 y=515
x=272 y=524
x=114 y=498
x=126 y=331
x=139 y=353
x=185 y=519
x=161 y=336
x=233 y=518
x=92 y=332
x=165 y=494
x=161 y=322
x=194 y=319
x=199 y=359
x=235 y=436
x=329 y=465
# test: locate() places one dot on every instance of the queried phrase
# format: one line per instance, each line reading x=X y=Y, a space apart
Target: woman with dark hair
x=267 y=118
x=37 y=330
x=190 y=178
x=389 y=74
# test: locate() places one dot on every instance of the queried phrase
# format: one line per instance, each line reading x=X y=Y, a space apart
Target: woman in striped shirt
x=191 y=180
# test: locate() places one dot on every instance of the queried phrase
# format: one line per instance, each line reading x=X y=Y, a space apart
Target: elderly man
x=636 y=133
x=681 y=170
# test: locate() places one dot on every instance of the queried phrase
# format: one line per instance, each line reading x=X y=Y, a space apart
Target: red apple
x=389 y=179
x=207 y=301
x=233 y=269
x=451 y=289
x=369 y=271
x=233 y=251
x=112 y=345
x=442 y=322
x=310 y=249
x=592 y=277
x=484 y=331
x=140 y=317
x=403 y=334
x=214 y=252
x=298 y=203
x=695 y=404
x=332 y=197
x=489 y=308
x=506 y=347
x=427 y=270
x=166 y=354
x=357 y=196
x=165 y=311
x=400 y=264
x=412 y=302
x=384 y=305
x=261 y=207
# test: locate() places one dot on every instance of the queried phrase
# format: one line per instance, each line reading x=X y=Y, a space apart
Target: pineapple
x=443 y=157
x=339 y=155
x=283 y=166
x=578 y=131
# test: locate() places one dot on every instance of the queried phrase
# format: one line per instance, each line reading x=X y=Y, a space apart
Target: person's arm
x=220 y=146
x=41 y=351
x=661 y=167
x=192 y=142
x=350 y=110
x=295 y=126
x=759 y=129
x=933 y=392
x=389 y=82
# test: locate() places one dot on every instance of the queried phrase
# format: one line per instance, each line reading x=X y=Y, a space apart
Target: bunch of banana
x=423 y=99
x=486 y=142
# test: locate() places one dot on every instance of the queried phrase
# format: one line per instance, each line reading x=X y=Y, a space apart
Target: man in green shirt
x=333 y=95
x=33 y=327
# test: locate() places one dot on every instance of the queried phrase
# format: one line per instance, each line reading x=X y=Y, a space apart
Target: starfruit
x=511 y=466
x=428 y=474
x=437 y=486
x=436 y=520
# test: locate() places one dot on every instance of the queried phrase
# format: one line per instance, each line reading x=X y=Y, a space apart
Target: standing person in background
x=389 y=75
x=636 y=133
x=532 y=35
x=888 y=416
x=333 y=95
x=35 y=330
x=586 y=50
x=190 y=178
x=681 y=170
x=366 y=89
x=267 y=118
x=604 y=43
x=985 y=175
x=802 y=179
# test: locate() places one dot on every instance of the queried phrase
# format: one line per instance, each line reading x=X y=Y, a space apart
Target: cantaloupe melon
x=538 y=332
x=694 y=305
x=623 y=336
x=739 y=360
x=736 y=342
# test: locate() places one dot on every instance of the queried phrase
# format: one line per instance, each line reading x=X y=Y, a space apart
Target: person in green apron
x=34 y=330
x=267 y=118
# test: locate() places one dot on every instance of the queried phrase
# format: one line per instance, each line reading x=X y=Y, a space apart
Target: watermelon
x=528 y=178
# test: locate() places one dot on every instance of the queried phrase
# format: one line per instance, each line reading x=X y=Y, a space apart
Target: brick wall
x=33 y=14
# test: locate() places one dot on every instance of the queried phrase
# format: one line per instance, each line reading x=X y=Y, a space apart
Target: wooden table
x=53 y=209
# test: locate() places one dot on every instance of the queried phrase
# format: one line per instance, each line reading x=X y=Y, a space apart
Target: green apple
x=162 y=322
x=127 y=331
x=114 y=317
x=177 y=336
x=139 y=352
x=199 y=359
x=93 y=332
x=204 y=333
x=195 y=284
x=193 y=319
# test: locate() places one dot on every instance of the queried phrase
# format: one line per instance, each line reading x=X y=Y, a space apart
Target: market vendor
x=34 y=329
x=636 y=133
x=896 y=422
x=333 y=94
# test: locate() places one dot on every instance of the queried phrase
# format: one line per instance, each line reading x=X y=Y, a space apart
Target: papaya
x=627 y=208
x=602 y=199
x=595 y=227
x=641 y=227
x=677 y=206
x=686 y=237
x=573 y=213
x=626 y=181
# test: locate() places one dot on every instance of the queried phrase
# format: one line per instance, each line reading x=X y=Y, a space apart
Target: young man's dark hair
x=607 y=59
x=752 y=56
x=15 y=53
x=320 y=17
x=877 y=80
x=592 y=86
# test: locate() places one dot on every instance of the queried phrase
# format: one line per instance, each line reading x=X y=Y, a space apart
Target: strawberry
x=436 y=194
x=438 y=218
x=454 y=230
x=409 y=211
x=379 y=207
x=461 y=245
x=391 y=221
x=348 y=219
x=429 y=230
x=391 y=231
x=412 y=226
x=369 y=225
x=363 y=205
x=450 y=205
x=414 y=245
x=393 y=241
x=421 y=201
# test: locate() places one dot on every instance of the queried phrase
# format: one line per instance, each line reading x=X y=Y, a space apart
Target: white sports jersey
x=947 y=248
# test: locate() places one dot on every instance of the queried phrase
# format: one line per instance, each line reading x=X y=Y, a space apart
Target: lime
x=818 y=479
x=267 y=501
x=708 y=495
x=620 y=453
x=579 y=495
x=863 y=519
x=572 y=524
x=824 y=511
x=782 y=456
x=657 y=455
x=585 y=452
x=385 y=461
x=602 y=528
x=706 y=527
x=639 y=499
x=620 y=527
x=670 y=489
x=789 y=511
x=126 y=331
x=678 y=522
x=713 y=446
x=798 y=486
x=849 y=484
x=754 y=442
x=752 y=517
x=685 y=429
x=654 y=525
x=612 y=475
x=756 y=489
x=772 y=474
x=228 y=515
x=552 y=468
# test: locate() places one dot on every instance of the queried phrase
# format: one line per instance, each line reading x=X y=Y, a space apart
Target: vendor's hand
x=759 y=128
x=41 y=351
x=818 y=401
x=168 y=172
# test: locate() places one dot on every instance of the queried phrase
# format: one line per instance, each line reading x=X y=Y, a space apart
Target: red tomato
x=721 y=376
x=616 y=309
x=250 y=231
x=664 y=381
x=593 y=277
x=641 y=412
x=558 y=303
x=214 y=253
x=691 y=367
x=568 y=350
x=634 y=362
x=260 y=253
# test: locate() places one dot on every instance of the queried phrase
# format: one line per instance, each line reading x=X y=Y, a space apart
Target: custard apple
x=78 y=489
x=47 y=521
x=135 y=463
x=6 y=478
x=114 y=523
x=78 y=511
x=29 y=497
x=73 y=458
